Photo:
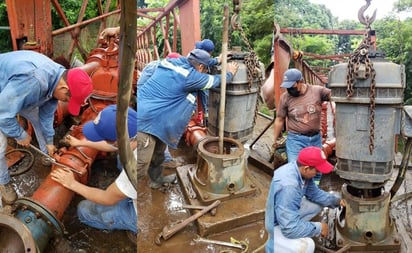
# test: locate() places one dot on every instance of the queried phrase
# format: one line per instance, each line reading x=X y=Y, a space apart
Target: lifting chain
x=251 y=60
x=361 y=67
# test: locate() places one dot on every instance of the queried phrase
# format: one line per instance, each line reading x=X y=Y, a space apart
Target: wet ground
x=160 y=208
x=77 y=237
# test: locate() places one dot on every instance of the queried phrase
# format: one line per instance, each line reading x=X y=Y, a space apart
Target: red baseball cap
x=80 y=86
x=315 y=157
x=173 y=55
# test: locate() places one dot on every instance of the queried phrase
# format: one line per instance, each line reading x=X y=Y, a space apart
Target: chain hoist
x=361 y=67
x=250 y=59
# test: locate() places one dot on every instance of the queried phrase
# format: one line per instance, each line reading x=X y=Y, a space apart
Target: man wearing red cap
x=31 y=84
x=293 y=200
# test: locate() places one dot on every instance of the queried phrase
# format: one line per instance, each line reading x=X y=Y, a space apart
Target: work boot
x=172 y=164
x=169 y=179
x=8 y=194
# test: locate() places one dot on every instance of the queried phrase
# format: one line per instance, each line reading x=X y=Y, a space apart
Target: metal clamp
x=367 y=21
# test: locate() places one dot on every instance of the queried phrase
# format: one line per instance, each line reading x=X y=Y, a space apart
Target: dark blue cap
x=103 y=127
x=206 y=45
x=290 y=77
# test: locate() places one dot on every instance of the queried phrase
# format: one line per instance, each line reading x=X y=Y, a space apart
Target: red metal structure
x=36 y=219
x=31 y=27
x=41 y=213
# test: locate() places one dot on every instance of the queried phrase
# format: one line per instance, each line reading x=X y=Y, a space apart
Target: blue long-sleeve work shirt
x=150 y=68
x=167 y=100
x=285 y=195
x=27 y=82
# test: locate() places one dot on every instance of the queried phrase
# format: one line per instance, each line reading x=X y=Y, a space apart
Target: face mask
x=293 y=92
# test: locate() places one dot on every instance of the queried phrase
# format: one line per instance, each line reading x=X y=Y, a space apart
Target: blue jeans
x=121 y=216
x=4 y=170
x=307 y=211
x=295 y=143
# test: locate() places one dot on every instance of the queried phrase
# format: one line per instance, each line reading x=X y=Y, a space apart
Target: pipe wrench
x=53 y=161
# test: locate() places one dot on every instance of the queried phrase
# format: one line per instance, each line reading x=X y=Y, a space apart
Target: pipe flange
x=11 y=223
x=32 y=205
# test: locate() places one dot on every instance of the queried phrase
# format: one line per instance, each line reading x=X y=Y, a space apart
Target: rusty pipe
x=41 y=213
x=61 y=113
x=194 y=133
x=328 y=147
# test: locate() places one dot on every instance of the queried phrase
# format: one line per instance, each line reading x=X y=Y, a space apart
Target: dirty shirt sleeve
x=287 y=207
x=46 y=115
x=200 y=81
x=20 y=93
x=314 y=194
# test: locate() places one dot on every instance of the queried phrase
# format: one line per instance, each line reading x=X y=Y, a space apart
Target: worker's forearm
x=100 y=145
x=90 y=193
x=278 y=126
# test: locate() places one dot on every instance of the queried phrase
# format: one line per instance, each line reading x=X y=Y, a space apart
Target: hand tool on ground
x=222 y=243
x=168 y=232
x=212 y=212
x=52 y=160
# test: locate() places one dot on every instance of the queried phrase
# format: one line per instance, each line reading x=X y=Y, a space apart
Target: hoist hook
x=276 y=32
x=367 y=21
x=235 y=20
x=236 y=6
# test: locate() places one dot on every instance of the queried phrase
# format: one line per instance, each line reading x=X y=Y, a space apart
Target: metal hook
x=276 y=32
x=366 y=20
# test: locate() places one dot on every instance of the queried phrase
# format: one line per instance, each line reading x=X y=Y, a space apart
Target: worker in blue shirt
x=165 y=105
x=294 y=199
x=31 y=84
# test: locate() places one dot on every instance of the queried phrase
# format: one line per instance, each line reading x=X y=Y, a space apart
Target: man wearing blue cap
x=114 y=208
x=302 y=106
x=165 y=105
x=206 y=45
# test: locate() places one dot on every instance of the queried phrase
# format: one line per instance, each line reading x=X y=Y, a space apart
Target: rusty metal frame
x=24 y=14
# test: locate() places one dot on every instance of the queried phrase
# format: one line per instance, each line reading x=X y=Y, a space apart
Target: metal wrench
x=168 y=232
x=52 y=160
x=222 y=243
x=212 y=212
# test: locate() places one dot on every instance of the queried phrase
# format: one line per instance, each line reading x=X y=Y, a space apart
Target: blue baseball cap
x=200 y=56
x=290 y=77
x=206 y=45
x=103 y=127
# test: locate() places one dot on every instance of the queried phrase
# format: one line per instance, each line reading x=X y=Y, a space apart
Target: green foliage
x=72 y=8
x=403 y=5
x=5 y=41
x=395 y=40
x=211 y=20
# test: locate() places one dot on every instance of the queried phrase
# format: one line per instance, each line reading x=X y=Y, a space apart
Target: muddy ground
x=160 y=208
x=77 y=237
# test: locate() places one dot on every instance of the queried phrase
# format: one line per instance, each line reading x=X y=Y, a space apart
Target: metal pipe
x=40 y=214
x=223 y=78
x=402 y=168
